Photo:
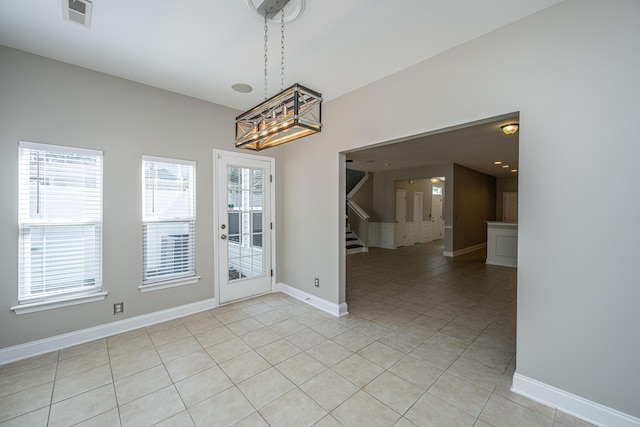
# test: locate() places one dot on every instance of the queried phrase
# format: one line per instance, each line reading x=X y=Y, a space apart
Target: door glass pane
x=245 y=195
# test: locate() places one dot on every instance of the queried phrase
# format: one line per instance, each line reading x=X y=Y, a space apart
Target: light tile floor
x=429 y=341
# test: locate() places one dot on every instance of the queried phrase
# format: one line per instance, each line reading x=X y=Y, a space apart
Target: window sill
x=58 y=303
x=170 y=283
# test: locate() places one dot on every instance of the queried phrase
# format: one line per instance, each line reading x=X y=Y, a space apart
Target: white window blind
x=169 y=220
x=60 y=221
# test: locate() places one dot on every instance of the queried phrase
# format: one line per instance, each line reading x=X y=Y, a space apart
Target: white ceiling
x=476 y=146
x=200 y=48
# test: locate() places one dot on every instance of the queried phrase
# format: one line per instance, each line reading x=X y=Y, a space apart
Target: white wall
x=50 y=102
x=572 y=72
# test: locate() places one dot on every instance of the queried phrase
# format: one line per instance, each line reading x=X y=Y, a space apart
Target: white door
x=243 y=225
x=510 y=207
x=401 y=216
x=437 y=228
x=417 y=215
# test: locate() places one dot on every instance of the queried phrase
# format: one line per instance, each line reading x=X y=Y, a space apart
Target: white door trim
x=216 y=200
x=418 y=215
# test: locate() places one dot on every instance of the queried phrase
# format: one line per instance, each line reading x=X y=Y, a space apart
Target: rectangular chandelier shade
x=293 y=113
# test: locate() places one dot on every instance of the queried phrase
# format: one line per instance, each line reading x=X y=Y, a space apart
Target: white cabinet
x=502 y=244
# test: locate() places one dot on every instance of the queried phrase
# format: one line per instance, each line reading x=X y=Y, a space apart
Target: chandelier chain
x=282 y=49
x=266 y=39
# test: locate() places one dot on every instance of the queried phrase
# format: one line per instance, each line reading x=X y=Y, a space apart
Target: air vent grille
x=78 y=11
x=78 y=6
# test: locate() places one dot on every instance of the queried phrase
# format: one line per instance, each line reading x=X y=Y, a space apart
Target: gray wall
x=474 y=203
x=570 y=70
x=572 y=73
x=51 y=102
x=384 y=195
x=418 y=185
x=353 y=178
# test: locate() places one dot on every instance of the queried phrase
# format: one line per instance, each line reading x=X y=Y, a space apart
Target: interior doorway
x=480 y=146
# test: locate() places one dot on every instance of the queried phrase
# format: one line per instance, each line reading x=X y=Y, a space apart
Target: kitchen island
x=502 y=244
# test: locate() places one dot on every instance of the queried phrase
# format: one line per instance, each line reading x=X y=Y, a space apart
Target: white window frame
x=149 y=219
x=43 y=218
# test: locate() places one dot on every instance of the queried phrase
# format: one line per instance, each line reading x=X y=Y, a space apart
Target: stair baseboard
x=357 y=250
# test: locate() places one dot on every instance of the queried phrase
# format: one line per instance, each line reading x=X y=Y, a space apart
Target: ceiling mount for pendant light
x=292 y=9
x=293 y=113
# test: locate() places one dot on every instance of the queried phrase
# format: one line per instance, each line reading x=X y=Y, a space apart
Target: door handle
x=223 y=236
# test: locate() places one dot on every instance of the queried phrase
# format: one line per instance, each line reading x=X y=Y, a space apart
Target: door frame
x=440 y=228
x=506 y=196
x=418 y=208
x=401 y=223
x=216 y=216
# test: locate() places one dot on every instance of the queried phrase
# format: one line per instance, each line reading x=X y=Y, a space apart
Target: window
x=60 y=223
x=437 y=191
x=169 y=221
x=245 y=194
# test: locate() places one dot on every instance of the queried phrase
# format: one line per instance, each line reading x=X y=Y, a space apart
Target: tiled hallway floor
x=429 y=341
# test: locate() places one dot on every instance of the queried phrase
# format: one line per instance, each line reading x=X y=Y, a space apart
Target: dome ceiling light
x=510 y=128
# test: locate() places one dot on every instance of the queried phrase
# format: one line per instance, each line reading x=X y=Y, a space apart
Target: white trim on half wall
x=571 y=404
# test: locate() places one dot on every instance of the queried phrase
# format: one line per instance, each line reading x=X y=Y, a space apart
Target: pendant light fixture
x=293 y=113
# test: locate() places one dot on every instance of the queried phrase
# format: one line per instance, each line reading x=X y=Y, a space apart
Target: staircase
x=353 y=244
x=355 y=215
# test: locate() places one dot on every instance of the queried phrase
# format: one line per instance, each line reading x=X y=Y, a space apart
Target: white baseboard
x=465 y=250
x=46 y=345
x=337 y=310
x=571 y=404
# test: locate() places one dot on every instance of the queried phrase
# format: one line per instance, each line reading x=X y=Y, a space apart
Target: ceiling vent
x=78 y=11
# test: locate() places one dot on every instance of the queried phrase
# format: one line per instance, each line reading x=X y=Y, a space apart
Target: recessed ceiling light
x=510 y=128
x=241 y=87
x=514 y=170
x=505 y=166
x=497 y=163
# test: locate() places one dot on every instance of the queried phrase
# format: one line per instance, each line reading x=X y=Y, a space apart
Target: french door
x=243 y=225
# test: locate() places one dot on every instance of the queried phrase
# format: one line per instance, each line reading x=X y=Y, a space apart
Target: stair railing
x=358 y=218
x=358 y=221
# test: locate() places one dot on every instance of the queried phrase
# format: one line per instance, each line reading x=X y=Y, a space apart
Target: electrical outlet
x=118 y=308
x=316 y=282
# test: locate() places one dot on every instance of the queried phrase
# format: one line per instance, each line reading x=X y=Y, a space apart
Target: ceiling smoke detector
x=78 y=11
